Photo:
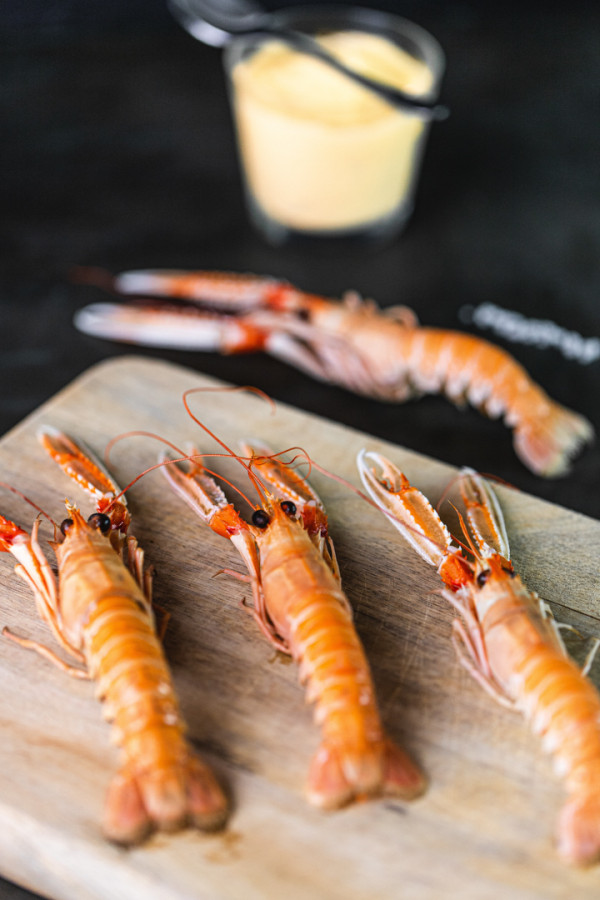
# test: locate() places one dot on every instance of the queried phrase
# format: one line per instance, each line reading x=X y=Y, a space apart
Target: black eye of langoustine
x=260 y=518
x=100 y=521
x=66 y=525
x=483 y=577
x=288 y=507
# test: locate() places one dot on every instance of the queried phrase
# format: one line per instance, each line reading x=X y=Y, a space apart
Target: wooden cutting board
x=485 y=826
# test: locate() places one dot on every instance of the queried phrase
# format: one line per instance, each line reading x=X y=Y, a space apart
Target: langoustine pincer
x=100 y=613
x=300 y=607
x=506 y=639
x=383 y=354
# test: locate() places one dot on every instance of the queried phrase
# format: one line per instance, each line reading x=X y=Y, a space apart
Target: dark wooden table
x=118 y=152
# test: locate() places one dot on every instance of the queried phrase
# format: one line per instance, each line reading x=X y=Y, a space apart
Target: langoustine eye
x=288 y=507
x=260 y=518
x=100 y=521
x=483 y=577
x=66 y=525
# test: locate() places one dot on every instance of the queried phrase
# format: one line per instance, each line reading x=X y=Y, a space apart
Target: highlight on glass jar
x=321 y=155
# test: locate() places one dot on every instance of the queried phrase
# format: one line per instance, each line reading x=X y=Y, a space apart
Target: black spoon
x=214 y=21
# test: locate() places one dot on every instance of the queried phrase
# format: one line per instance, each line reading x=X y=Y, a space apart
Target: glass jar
x=320 y=155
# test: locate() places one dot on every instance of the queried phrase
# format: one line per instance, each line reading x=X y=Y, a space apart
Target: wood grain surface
x=485 y=826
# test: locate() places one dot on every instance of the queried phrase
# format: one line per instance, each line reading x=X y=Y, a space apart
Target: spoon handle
x=394 y=96
x=213 y=21
x=228 y=16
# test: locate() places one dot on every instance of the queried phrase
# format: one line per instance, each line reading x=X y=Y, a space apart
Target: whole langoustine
x=383 y=354
x=506 y=639
x=101 y=614
x=300 y=607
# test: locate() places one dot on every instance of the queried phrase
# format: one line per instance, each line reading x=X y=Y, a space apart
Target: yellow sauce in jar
x=320 y=152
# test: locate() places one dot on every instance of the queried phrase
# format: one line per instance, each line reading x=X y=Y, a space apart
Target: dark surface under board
x=118 y=152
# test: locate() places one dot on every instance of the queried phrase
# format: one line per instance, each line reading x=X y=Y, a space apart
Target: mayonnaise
x=320 y=152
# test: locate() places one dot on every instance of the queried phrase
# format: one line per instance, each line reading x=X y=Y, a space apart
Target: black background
x=118 y=151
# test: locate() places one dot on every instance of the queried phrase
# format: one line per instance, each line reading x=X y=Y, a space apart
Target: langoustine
x=506 y=638
x=383 y=354
x=300 y=607
x=100 y=612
